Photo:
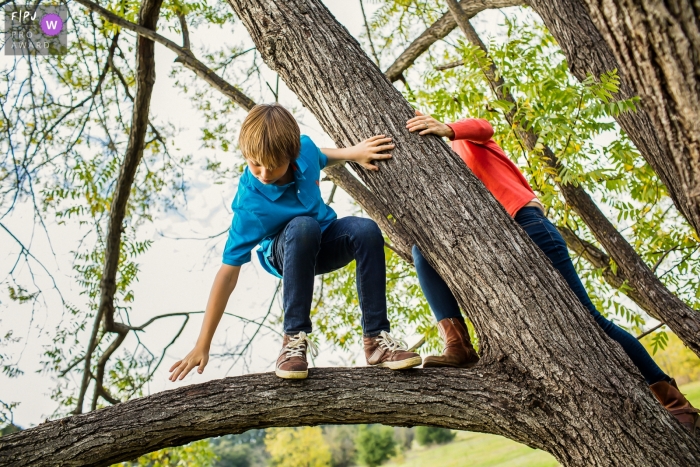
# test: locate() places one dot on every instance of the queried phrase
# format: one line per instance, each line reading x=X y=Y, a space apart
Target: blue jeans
x=300 y=251
x=550 y=241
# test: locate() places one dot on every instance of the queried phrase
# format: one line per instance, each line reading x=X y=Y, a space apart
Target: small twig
x=275 y=92
x=646 y=333
x=330 y=197
x=660 y=260
x=369 y=34
x=260 y=325
x=185 y=31
x=392 y=248
x=450 y=65
x=417 y=345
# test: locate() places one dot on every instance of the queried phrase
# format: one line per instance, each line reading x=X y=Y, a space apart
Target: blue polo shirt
x=261 y=211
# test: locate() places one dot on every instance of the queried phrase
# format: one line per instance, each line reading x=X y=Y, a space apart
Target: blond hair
x=269 y=136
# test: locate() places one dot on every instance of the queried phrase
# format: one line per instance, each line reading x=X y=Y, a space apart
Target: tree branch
x=369 y=34
x=375 y=207
x=439 y=30
x=184 y=55
x=185 y=31
x=233 y=405
x=600 y=260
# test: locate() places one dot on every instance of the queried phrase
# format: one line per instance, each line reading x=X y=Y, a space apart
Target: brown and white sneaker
x=292 y=364
x=388 y=352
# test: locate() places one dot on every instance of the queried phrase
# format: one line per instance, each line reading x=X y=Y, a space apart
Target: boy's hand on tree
x=427 y=125
x=368 y=151
x=197 y=357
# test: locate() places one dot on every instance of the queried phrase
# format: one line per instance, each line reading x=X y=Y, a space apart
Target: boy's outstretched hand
x=196 y=358
x=427 y=125
x=366 y=152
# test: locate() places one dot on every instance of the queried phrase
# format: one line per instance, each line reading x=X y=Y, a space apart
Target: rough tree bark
x=449 y=398
x=657 y=45
x=146 y=76
x=587 y=53
x=664 y=305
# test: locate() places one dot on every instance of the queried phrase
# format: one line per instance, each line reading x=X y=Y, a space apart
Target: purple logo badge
x=51 y=24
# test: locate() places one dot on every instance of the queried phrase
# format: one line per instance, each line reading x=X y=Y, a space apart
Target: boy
x=472 y=140
x=278 y=206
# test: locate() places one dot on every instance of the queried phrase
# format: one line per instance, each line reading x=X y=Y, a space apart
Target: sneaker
x=292 y=364
x=387 y=352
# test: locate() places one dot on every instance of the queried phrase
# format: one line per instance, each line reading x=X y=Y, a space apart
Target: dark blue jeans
x=301 y=251
x=550 y=241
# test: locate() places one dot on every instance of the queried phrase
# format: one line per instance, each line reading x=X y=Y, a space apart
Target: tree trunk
x=587 y=52
x=526 y=316
x=657 y=46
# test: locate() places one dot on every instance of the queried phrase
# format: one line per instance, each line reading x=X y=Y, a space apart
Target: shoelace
x=386 y=341
x=297 y=344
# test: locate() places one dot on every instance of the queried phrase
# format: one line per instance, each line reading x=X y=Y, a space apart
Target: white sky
x=175 y=274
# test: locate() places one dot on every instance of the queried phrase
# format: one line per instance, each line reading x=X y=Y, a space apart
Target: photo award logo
x=36 y=30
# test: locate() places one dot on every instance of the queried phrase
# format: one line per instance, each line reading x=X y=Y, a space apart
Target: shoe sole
x=291 y=374
x=447 y=365
x=401 y=364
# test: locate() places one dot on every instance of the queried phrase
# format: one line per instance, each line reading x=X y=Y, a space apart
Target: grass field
x=480 y=450
x=476 y=450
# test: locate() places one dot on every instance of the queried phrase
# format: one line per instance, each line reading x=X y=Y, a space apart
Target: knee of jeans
x=303 y=229
x=368 y=233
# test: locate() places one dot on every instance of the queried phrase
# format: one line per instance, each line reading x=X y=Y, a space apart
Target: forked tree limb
x=438 y=30
x=653 y=296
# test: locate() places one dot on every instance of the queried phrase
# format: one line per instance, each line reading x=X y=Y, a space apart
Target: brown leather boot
x=676 y=403
x=387 y=352
x=458 y=352
x=292 y=364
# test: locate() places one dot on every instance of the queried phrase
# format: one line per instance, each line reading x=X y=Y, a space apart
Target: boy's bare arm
x=363 y=153
x=224 y=283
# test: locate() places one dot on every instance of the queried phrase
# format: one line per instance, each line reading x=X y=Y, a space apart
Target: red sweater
x=474 y=143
